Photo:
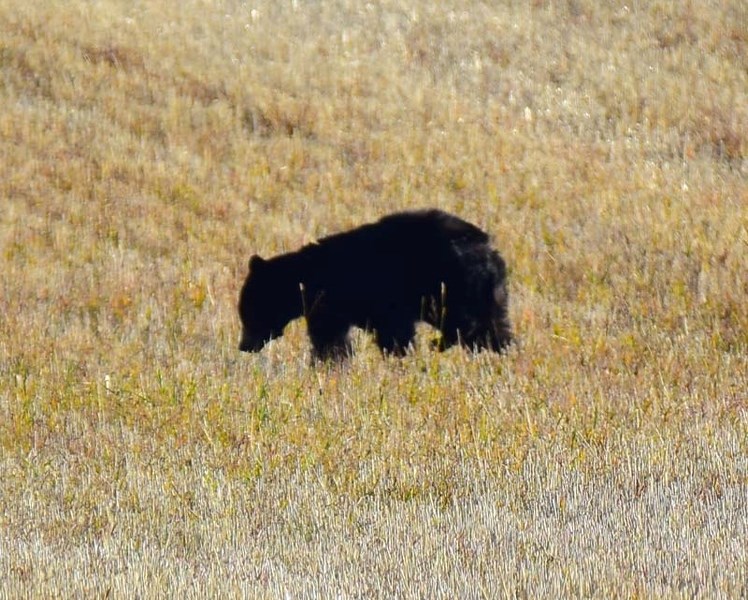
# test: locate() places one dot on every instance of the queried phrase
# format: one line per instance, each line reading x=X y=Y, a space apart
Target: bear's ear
x=256 y=261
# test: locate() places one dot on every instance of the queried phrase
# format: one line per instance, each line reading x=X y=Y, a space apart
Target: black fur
x=383 y=277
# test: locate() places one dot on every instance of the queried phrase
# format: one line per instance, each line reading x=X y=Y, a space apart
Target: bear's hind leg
x=451 y=332
x=447 y=338
x=493 y=336
x=395 y=339
x=500 y=335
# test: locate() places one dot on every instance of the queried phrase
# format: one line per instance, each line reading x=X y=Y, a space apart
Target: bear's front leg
x=330 y=339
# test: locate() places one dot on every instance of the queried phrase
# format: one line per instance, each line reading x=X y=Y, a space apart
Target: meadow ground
x=148 y=148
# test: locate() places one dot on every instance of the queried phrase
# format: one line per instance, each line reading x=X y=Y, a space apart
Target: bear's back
x=422 y=228
x=434 y=224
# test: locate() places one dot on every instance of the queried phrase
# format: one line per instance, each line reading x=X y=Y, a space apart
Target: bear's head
x=261 y=306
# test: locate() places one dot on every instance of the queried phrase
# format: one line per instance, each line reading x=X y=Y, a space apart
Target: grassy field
x=148 y=148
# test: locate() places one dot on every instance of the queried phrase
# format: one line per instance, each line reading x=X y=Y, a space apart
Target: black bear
x=423 y=265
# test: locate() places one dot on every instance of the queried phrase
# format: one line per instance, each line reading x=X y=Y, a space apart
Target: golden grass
x=149 y=147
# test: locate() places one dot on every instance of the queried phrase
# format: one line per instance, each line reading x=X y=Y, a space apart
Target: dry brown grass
x=149 y=147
